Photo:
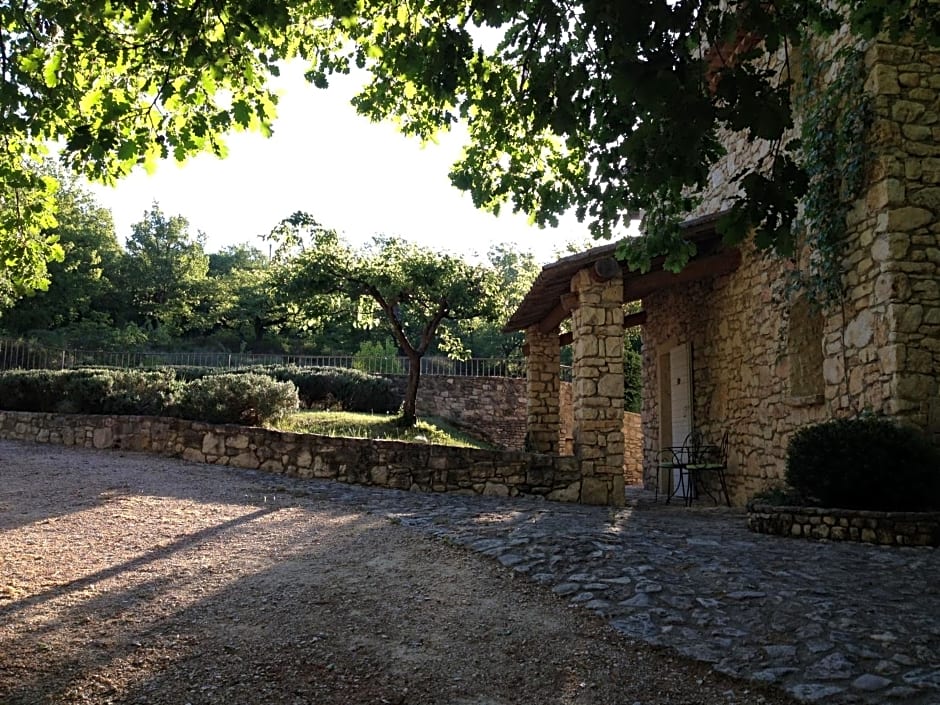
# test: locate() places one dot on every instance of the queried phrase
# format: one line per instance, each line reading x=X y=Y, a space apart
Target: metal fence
x=18 y=354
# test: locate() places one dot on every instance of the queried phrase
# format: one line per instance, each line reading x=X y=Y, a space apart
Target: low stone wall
x=394 y=464
x=885 y=528
x=491 y=408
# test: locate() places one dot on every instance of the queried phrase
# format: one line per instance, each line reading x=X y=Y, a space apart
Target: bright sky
x=354 y=176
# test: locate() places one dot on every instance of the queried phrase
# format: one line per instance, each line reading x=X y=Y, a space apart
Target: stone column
x=543 y=362
x=597 y=325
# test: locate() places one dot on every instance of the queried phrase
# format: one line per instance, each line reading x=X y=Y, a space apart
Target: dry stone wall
x=491 y=408
x=393 y=464
x=884 y=528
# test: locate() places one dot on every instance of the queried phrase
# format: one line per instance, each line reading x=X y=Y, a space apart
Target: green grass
x=378 y=426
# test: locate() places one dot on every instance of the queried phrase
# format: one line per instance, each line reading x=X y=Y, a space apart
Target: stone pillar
x=597 y=327
x=543 y=363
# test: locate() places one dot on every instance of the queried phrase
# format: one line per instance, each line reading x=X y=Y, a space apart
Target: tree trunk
x=409 y=416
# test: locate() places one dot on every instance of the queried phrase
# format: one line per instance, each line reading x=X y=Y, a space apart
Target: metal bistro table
x=689 y=464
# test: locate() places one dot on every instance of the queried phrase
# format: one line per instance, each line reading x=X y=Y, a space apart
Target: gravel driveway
x=126 y=578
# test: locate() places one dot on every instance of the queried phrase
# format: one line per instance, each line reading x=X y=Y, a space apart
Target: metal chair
x=709 y=459
x=675 y=460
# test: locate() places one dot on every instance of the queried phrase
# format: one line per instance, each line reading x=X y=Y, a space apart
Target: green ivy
x=836 y=115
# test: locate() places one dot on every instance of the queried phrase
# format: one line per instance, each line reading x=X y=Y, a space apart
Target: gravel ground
x=126 y=578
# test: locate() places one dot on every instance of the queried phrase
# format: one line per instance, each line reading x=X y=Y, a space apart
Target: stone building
x=727 y=346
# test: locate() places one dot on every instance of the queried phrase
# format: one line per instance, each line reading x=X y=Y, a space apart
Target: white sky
x=358 y=177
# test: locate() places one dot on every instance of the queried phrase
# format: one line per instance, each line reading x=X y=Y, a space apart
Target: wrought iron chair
x=676 y=460
x=709 y=460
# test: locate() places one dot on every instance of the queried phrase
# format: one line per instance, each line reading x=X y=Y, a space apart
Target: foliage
x=633 y=380
x=79 y=283
x=249 y=398
x=603 y=107
x=31 y=390
x=836 y=116
x=864 y=463
x=379 y=426
x=351 y=390
x=421 y=295
x=164 y=269
x=377 y=357
x=515 y=271
x=90 y=391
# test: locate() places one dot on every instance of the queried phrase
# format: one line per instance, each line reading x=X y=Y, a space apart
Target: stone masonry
x=394 y=464
x=543 y=390
x=597 y=373
x=755 y=347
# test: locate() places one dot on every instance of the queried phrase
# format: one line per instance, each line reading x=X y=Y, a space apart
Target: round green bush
x=247 y=398
x=865 y=463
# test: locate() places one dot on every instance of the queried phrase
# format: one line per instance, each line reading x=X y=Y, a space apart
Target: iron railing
x=18 y=354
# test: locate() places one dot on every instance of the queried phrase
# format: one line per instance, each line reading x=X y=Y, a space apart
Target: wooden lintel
x=722 y=263
x=634 y=319
x=551 y=321
x=565 y=339
x=605 y=269
x=570 y=302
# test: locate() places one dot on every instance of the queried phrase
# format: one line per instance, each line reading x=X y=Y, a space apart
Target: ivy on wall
x=836 y=115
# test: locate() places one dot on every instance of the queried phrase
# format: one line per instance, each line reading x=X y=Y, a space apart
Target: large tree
x=421 y=295
x=605 y=107
x=85 y=232
x=164 y=271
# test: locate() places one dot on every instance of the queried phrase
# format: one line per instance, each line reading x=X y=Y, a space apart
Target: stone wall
x=394 y=464
x=491 y=408
x=737 y=327
x=902 y=213
x=753 y=353
x=884 y=528
x=632 y=449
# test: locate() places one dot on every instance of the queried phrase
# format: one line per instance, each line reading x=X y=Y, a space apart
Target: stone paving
x=827 y=622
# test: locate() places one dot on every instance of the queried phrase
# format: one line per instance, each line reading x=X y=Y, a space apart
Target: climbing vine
x=836 y=115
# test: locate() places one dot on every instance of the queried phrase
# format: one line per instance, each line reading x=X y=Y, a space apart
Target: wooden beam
x=552 y=319
x=566 y=304
x=637 y=287
x=565 y=339
x=605 y=269
x=631 y=320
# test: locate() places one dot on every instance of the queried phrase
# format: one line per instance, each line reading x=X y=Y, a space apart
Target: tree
x=85 y=233
x=420 y=294
x=515 y=271
x=604 y=107
x=163 y=269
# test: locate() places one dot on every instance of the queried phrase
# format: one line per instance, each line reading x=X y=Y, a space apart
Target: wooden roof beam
x=724 y=262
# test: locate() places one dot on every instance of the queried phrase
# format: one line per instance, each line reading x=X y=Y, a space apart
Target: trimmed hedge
x=865 y=463
x=352 y=390
x=156 y=392
x=90 y=391
x=247 y=398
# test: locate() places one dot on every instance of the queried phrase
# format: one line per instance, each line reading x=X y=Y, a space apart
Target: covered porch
x=591 y=289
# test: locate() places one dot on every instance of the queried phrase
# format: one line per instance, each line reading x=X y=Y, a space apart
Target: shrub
x=89 y=391
x=242 y=398
x=865 y=463
x=31 y=390
x=352 y=389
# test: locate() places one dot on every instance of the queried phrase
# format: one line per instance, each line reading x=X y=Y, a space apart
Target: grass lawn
x=381 y=426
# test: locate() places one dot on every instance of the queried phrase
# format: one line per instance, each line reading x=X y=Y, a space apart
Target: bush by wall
x=249 y=398
x=352 y=390
x=865 y=463
x=90 y=391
